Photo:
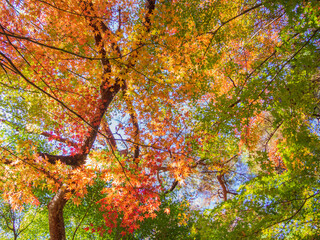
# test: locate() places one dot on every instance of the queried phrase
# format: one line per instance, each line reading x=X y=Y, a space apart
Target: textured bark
x=56 y=221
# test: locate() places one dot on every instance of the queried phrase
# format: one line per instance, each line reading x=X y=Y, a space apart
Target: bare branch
x=174 y=185
x=111 y=140
x=271 y=135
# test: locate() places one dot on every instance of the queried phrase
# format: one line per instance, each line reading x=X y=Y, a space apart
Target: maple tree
x=145 y=96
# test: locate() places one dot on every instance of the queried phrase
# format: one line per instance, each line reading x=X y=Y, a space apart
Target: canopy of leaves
x=108 y=106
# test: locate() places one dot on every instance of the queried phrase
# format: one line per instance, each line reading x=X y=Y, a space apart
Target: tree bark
x=56 y=221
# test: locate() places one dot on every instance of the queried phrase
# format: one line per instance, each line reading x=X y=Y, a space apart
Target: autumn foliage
x=150 y=96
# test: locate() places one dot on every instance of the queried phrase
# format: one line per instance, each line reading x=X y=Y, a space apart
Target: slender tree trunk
x=56 y=222
x=224 y=188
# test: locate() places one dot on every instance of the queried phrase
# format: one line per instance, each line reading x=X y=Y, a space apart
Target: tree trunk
x=56 y=222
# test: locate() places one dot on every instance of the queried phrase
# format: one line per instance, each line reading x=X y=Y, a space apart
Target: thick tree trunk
x=56 y=222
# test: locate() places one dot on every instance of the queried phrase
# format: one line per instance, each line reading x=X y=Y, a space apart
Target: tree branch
x=134 y=121
x=111 y=140
x=174 y=185
x=60 y=139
